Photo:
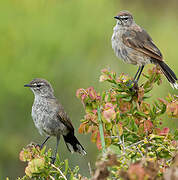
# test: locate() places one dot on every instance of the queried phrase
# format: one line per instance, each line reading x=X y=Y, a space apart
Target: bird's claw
x=39 y=146
x=133 y=85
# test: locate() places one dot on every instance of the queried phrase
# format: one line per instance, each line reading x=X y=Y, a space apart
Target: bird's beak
x=117 y=17
x=27 y=85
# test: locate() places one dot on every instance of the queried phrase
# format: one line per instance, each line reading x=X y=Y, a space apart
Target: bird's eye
x=38 y=85
x=125 y=19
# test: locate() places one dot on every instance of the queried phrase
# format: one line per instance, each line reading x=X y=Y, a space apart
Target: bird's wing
x=64 y=118
x=142 y=42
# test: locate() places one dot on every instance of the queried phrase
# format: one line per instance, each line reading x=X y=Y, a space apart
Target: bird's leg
x=137 y=73
x=134 y=79
x=140 y=72
x=41 y=146
x=55 y=153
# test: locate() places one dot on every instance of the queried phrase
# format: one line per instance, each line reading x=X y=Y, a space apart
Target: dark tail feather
x=170 y=75
x=73 y=144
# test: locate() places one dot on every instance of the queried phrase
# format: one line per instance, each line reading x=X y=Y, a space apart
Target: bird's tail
x=73 y=144
x=170 y=75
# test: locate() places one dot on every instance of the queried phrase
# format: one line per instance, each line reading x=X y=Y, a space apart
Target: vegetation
x=67 y=42
x=125 y=127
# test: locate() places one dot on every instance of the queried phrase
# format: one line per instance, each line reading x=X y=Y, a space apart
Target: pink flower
x=162 y=132
x=172 y=109
x=103 y=78
x=109 y=114
x=92 y=93
x=94 y=111
x=104 y=71
x=148 y=126
x=81 y=93
x=109 y=105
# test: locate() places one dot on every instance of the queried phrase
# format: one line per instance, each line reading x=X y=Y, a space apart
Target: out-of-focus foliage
x=67 y=42
x=132 y=126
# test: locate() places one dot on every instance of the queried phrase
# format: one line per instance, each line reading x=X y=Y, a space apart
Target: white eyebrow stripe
x=124 y=17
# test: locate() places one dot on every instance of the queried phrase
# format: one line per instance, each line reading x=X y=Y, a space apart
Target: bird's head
x=41 y=87
x=124 y=18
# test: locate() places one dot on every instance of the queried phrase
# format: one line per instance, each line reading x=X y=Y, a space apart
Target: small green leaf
x=115 y=149
x=154 y=136
x=127 y=99
x=66 y=166
x=163 y=110
x=134 y=125
x=141 y=114
x=117 y=128
x=101 y=129
x=176 y=134
x=103 y=95
x=146 y=90
x=43 y=150
x=122 y=95
x=108 y=126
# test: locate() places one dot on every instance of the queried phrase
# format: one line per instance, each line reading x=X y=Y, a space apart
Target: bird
x=133 y=45
x=50 y=118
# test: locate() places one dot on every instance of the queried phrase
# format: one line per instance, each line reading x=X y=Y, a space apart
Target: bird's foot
x=133 y=85
x=53 y=159
x=39 y=146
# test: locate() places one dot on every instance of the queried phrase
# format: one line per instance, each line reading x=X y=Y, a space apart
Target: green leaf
x=108 y=126
x=103 y=95
x=115 y=149
x=146 y=90
x=146 y=97
x=43 y=150
x=127 y=99
x=146 y=76
x=117 y=128
x=120 y=90
x=163 y=110
x=176 y=134
x=122 y=95
x=141 y=114
x=101 y=130
x=152 y=114
x=134 y=125
x=66 y=166
x=154 y=136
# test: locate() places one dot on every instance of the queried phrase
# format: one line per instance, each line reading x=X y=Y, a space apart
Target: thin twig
x=89 y=167
x=140 y=151
x=123 y=144
x=131 y=132
x=59 y=171
x=139 y=142
x=113 y=136
x=51 y=177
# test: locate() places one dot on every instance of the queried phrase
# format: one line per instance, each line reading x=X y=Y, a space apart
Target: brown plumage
x=134 y=45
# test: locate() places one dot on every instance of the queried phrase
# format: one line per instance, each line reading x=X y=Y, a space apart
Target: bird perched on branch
x=133 y=45
x=50 y=118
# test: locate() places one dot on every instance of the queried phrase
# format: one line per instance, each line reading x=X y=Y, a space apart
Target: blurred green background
x=68 y=43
